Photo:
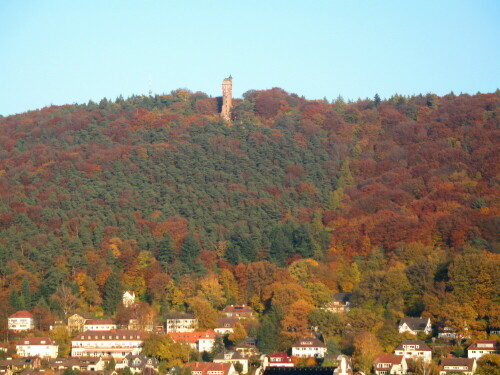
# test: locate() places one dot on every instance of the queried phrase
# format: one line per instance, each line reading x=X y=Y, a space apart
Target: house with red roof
x=481 y=347
x=277 y=360
x=209 y=368
x=390 y=364
x=21 y=321
x=43 y=347
x=201 y=341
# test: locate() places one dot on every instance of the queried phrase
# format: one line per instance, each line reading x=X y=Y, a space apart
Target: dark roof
x=227 y=322
x=309 y=342
x=469 y=362
x=316 y=370
x=233 y=355
x=246 y=342
x=418 y=344
x=180 y=316
x=237 y=309
x=416 y=324
x=342 y=297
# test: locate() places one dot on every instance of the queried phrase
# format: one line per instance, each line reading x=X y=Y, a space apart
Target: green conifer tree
x=113 y=291
x=26 y=294
x=166 y=252
x=15 y=300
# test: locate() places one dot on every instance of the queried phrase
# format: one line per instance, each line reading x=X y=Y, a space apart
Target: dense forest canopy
x=394 y=200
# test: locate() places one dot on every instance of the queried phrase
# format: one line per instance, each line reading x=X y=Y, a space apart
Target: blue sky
x=69 y=51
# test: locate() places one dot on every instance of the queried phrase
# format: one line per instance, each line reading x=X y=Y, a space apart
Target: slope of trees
x=394 y=200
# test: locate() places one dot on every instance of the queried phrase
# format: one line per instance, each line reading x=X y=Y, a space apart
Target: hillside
x=161 y=185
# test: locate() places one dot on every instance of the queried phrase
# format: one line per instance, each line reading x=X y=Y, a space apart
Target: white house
x=415 y=325
x=226 y=325
x=81 y=364
x=21 y=321
x=481 y=347
x=341 y=303
x=234 y=358
x=181 y=322
x=99 y=325
x=276 y=360
x=137 y=363
x=128 y=298
x=345 y=366
x=309 y=347
x=117 y=343
x=43 y=347
x=390 y=364
x=466 y=366
x=201 y=341
x=414 y=349
x=238 y=311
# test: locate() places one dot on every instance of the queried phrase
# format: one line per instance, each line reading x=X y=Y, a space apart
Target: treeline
x=394 y=200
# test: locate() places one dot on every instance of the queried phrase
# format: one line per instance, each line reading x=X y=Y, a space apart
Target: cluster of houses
x=99 y=340
x=419 y=351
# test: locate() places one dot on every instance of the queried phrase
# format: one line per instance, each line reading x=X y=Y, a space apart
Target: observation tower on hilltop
x=227 y=94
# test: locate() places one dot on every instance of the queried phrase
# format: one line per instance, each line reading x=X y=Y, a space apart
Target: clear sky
x=70 y=51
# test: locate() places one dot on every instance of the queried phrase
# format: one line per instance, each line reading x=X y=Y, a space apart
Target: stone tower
x=227 y=92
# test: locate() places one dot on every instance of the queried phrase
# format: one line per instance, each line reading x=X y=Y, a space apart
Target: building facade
x=240 y=312
x=43 y=347
x=234 y=358
x=414 y=349
x=181 y=323
x=99 y=325
x=415 y=325
x=21 y=321
x=116 y=343
x=481 y=347
x=466 y=366
x=390 y=364
x=309 y=347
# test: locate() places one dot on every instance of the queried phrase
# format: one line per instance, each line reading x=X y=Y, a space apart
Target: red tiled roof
x=36 y=341
x=280 y=358
x=22 y=314
x=388 y=358
x=192 y=337
x=478 y=345
x=209 y=367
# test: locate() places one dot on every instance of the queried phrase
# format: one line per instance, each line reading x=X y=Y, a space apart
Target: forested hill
x=164 y=179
